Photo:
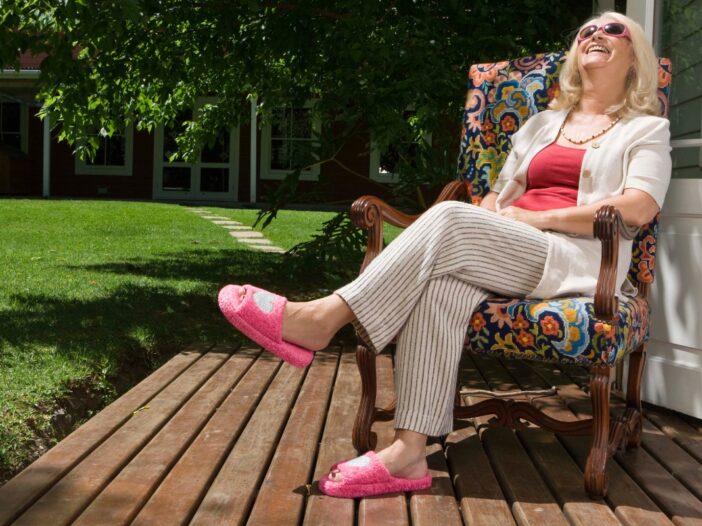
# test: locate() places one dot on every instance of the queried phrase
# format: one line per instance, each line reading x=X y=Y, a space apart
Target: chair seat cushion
x=560 y=330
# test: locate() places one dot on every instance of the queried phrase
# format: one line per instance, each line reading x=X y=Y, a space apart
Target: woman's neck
x=601 y=91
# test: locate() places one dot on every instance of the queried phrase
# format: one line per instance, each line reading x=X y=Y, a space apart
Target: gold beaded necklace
x=594 y=136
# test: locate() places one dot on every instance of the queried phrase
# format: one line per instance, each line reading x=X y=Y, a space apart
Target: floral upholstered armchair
x=593 y=332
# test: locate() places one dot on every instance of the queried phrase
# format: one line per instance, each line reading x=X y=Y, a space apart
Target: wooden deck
x=219 y=437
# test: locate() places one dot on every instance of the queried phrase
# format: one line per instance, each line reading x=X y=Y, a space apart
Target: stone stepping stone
x=225 y=222
x=276 y=250
x=244 y=235
x=257 y=241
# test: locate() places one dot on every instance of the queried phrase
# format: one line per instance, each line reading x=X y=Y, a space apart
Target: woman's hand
x=530 y=217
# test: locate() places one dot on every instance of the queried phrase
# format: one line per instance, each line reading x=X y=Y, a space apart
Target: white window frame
x=125 y=170
x=270 y=174
x=649 y=13
x=674 y=351
x=24 y=124
x=196 y=167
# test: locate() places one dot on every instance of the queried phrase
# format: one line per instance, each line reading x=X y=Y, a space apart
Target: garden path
x=242 y=233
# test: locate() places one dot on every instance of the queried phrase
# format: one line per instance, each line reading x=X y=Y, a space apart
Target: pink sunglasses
x=612 y=29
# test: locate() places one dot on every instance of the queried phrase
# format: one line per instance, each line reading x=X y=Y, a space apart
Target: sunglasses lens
x=587 y=32
x=614 y=28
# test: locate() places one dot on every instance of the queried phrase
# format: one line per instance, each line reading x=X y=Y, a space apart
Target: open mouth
x=597 y=48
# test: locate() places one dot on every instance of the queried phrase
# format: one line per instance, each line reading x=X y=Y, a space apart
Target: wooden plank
x=494 y=374
x=677 y=429
x=480 y=497
x=532 y=502
x=178 y=496
x=669 y=494
x=579 y=375
x=676 y=460
x=631 y=504
x=336 y=445
x=436 y=505
x=120 y=501
x=24 y=489
x=678 y=503
x=565 y=480
x=66 y=499
x=695 y=423
x=386 y=509
x=281 y=499
x=558 y=469
x=229 y=498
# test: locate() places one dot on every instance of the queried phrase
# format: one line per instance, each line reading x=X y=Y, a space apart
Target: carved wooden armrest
x=608 y=226
x=370 y=212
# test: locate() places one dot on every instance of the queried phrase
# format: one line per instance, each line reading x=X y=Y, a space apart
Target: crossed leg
x=425 y=286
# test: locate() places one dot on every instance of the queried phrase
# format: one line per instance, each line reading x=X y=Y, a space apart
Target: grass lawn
x=89 y=289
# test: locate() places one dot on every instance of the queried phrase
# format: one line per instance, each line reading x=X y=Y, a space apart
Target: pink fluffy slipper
x=365 y=476
x=259 y=315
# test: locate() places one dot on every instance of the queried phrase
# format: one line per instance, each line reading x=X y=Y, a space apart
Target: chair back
x=501 y=97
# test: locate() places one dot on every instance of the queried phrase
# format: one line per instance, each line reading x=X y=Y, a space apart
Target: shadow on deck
x=221 y=437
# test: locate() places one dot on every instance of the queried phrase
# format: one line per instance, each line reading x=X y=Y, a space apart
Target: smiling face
x=605 y=51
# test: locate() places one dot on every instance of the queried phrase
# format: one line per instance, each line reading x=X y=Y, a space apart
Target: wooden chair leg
x=363 y=439
x=595 y=467
x=637 y=360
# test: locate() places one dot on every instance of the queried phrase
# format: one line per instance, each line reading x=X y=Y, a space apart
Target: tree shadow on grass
x=158 y=306
x=145 y=319
x=215 y=267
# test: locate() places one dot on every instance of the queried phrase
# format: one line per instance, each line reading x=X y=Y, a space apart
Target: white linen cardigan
x=635 y=153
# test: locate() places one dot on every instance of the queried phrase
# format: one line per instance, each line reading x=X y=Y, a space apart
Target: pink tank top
x=552 y=179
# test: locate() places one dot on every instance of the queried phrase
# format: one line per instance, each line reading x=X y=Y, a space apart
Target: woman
x=601 y=143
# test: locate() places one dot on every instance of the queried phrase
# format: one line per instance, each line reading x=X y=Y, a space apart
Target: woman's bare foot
x=405 y=457
x=312 y=324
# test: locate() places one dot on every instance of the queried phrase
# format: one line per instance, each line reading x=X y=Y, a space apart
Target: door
x=673 y=374
x=213 y=177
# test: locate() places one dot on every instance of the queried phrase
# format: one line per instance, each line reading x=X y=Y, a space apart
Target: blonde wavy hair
x=641 y=81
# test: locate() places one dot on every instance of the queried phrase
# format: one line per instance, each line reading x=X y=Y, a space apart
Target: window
x=212 y=175
x=113 y=156
x=11 y=124
x=679 y=39
x=213 y=164
x=287 y=143
x=176 y=175
x=383 y=165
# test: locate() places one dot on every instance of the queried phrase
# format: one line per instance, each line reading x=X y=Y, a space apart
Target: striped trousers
x=423 y=289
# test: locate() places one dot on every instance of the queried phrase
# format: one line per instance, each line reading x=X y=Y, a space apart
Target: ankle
x=329 y=314
x=404 y=461
x=411 y=451
x=304 y=325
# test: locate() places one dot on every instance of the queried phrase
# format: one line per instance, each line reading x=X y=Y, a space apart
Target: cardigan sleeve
x=649 y=163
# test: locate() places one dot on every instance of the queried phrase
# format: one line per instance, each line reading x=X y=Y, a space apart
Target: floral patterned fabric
x=562 y=330
x=501 y=97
